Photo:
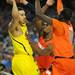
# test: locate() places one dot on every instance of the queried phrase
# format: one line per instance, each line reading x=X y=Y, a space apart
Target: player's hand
x=24 y=2
x=50 y=2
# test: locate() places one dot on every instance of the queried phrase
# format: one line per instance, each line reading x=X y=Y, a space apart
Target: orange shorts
x=63 y=66
x=44 y=61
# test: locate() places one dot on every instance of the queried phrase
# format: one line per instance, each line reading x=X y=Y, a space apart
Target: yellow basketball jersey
x=21 y=44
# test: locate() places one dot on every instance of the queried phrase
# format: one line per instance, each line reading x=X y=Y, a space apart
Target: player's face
x=22 y=16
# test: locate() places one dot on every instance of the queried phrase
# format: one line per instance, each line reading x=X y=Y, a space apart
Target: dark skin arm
x=44 y=52
x=45 y=18
x=35 y=48
x=47 y=5
x=40 y=14
x=34 y=45
x=48 y=51
x=44 y=8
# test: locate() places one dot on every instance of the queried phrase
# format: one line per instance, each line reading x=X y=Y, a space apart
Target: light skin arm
x=14 y=8
x=14 y=26
x=15 y=13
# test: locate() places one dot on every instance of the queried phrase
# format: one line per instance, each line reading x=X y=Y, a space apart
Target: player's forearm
x=44 y=18
x=48 y=52
x=44 y=8
x=36 y=48
x=48 y=4
x=39 y=12
x=14 y=10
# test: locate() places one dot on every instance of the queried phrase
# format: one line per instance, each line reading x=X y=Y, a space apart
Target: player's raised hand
x=50 y=2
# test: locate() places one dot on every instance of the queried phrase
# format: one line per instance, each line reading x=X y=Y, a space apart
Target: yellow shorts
x=24 y=65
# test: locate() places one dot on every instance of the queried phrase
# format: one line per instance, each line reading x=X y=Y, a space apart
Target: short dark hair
x=66 y=14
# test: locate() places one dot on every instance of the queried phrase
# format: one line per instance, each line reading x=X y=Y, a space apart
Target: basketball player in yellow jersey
x=22 y=62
